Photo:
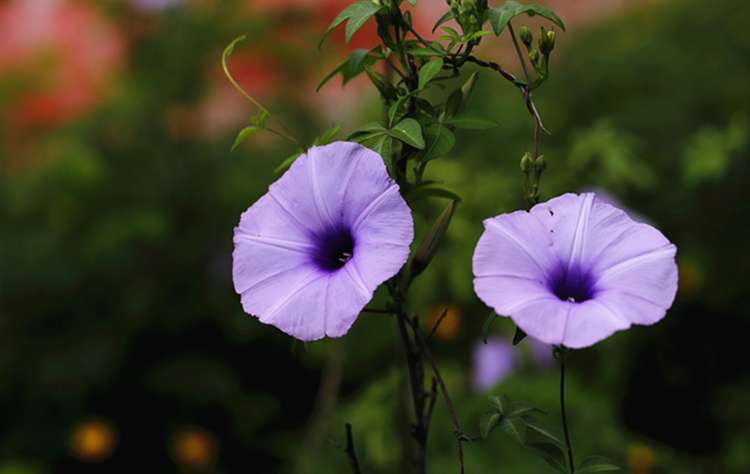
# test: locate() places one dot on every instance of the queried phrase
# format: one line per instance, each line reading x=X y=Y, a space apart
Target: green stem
x=562 y=413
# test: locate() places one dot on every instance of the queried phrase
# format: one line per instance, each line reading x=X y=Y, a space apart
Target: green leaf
x=440 y=141
x=431 y=242
x=543 y=432
x=467 y=89
x=287 y=163
x=499 y=17
x=471 y=122
x=425 y=192
x=597 y=464
x=487 y=326
x=327 y=137
x=522 y=409
x=260 y=119
x=351 y=67
x=515 y=427
x=443 y=19
x=355 y=15
x=422 y=52
x=519 y=336
x=488 y=422
x=413 y=3
x=385 y=88
x=244 y=134
x=367 y=129
x=410 y=132
x=500 y=403
x=382 y=145
x=427 y=72
x=551 y=453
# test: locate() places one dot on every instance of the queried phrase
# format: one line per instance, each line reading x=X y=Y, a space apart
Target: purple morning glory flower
x=309 y=254
x=574 y=270
x=492 y=363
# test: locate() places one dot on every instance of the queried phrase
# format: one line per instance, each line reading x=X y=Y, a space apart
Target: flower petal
x=336 y=183
x=544 y=319
x=318 y=304
x=590 y=322
x=382 y=240
x=260 y=251
x=511 y=261
x=568 y=220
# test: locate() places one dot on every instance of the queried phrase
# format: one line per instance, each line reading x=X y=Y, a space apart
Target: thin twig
x=524 y=88
x=562 y=414
x=518 y=52
x=433 y=399
x=460 y=436
x=350 y=450
x=437 y=323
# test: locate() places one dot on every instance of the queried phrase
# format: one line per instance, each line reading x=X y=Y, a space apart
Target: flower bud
x=546 y=42
x=540 y=164
x=526 y=37
x=526 y=162
x=534 y=56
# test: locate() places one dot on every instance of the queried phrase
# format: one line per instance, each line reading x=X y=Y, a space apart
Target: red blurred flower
x=62 y=52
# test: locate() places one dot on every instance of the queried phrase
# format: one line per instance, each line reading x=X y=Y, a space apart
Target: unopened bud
x=526 y=162
x=546 y=42
x=526 y=37
x=540 y=164
x=534 y=56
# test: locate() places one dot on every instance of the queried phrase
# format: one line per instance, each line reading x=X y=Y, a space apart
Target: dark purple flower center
x=572 y=284
x=335 y=248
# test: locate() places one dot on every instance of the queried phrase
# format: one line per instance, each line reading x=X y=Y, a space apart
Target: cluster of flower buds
x=470 y=14
x=539 y=54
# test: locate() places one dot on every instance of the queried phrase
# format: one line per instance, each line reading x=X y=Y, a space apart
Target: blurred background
x=124 y=347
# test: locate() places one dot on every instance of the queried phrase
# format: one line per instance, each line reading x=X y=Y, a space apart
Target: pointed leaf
x=431 y=69
x=366 y=130
x=518 y=336
x=499 y=17
x=443 y=19
x=429 y=246
x=488 y=422
x=471 y=122
x=543 y=432
x=487 y=326
x=244 y=134
x=410 y=132
x=440 y=141
x=355 y=15
x=515 y=427
x=597 y=464
x=385 y=88
x=351 y=67
x=429 y=52
x=500 y=403
x=327 y=137
x=425 y=192
x=551 y=453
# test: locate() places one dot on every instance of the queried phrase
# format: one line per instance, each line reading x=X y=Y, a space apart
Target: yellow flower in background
x=640 y=458
x=450 y=326
x=93 y=440
x=194 y=447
